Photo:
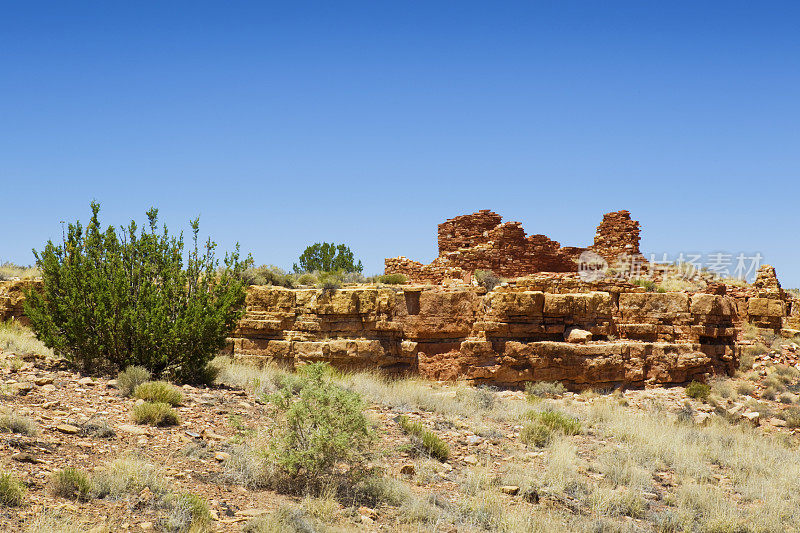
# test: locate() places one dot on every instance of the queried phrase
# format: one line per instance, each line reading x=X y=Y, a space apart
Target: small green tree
x=112 y=299
x=317 y=426
x=327 y=257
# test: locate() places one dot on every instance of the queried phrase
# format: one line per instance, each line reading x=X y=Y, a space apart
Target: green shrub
x=698 y=391
x=425 y=438
x=159 y=392
x=557 y=421
x=307 y=278
x=317 y=426
x=543 y=389
x=330 y=282
x=328 y=257
x=392 y=279
x=115 y=298
x=12 y=491
x=132 y=377
x=155 y=414
x=71 y=483
x=487 y=279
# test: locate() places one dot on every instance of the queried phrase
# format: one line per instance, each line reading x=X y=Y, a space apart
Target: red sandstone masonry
x=481 y=242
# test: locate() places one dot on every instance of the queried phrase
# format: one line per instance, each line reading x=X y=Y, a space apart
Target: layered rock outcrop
x=506 y=337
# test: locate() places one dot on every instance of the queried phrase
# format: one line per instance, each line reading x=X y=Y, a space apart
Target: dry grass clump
x=49 y=521
x=426 y=439
x=542 y=426
x=12 y=491
x=187 y=512
x=128 y=476
x=16 y=338
x=9 y=271
x=159 y=392
x=155 y=414
x=536 y=390
x=132 y=377
x=72 y=484
x=13 y=422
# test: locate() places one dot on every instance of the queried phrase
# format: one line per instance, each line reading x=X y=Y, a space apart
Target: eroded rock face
x=506 y=337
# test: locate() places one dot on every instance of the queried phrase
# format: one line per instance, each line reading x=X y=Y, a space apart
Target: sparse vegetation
x=159 y=392
x=487 y=279
x=268 y=275
x=698 y=391
x=317 y=425
x=13 y=422
x=132 y=377
x=188 y=512
x=12 y=491
x=11 y=271
x=536 y=390
x=155 y=414
x=72 y=484
x=426 y=439
x=15 y=338
x=392 y=279
x=115 y=298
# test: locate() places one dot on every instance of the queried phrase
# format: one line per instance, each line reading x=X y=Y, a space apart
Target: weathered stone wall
x=481 y=242
x=506 y=337
x=616 y=235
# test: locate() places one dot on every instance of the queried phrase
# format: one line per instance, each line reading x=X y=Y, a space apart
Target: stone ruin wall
x=480 y=241
x=506 y=337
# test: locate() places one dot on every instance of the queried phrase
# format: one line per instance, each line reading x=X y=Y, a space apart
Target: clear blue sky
x=281 y=124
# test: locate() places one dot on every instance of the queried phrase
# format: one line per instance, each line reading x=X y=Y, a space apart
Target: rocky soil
x=84 y=422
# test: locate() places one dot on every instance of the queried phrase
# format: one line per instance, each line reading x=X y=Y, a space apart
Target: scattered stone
x=366 y=511
x=509 y=489
x=43 y=381
x=471 y=460
x=86 y=381
x=23 y=388
x=578 y=336
x=472 y=440
x=49 y=388
x=777 y=422
x=193 y=434
x=132 y=429
x=112 y=384
x=69 y=429
x=51 y=404
x=752 y=416
x=23 y=457
x=146 y=526
x=222 y=456
x=702 y=419
x=251 y=512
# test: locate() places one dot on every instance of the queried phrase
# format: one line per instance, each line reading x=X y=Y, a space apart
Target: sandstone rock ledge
x=506 y=337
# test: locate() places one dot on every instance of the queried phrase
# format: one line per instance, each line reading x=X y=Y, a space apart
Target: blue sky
x=282 y=124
